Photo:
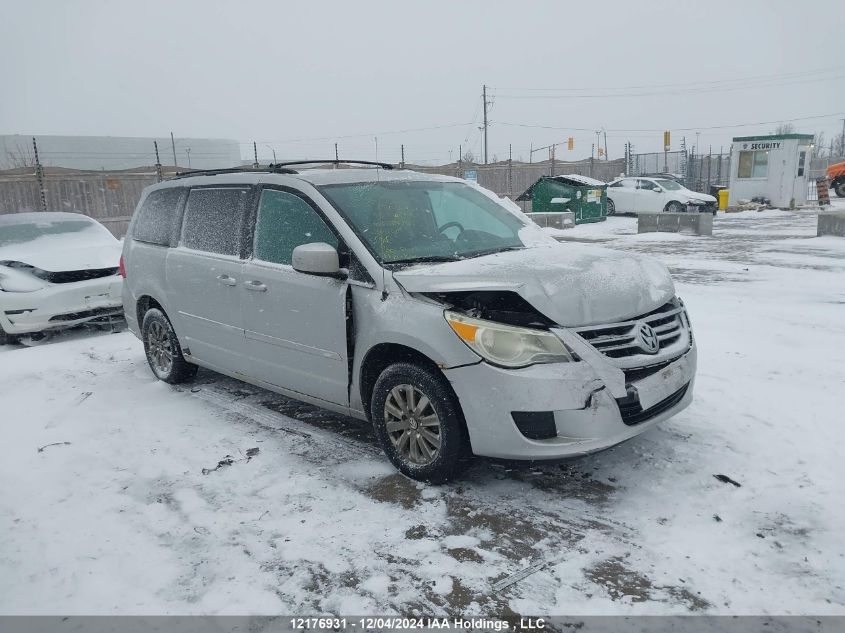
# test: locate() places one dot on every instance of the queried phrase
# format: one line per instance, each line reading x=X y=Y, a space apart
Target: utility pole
x=255 y=155
x=531 y=154
x=402 y=162
x=173 y=147
x=605 y=144
x=39 y=176
x=335 y=152
x=484 y=98
x=158 y=163
x=376 y=139
x=510 y=166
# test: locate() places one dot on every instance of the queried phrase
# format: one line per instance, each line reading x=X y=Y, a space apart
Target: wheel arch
x=143 y=304
x=380 y=357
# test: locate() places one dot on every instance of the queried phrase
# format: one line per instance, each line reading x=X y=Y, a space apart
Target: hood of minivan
x=571 y=284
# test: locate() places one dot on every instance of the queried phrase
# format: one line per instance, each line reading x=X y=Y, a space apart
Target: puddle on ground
x=395 y=489
x=620 y=581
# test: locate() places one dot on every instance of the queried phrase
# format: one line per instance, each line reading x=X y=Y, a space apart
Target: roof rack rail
x=271 y=169
x=333 y=161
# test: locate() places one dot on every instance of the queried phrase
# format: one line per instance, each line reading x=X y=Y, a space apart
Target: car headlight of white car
x=15 y=279
x=508 y=345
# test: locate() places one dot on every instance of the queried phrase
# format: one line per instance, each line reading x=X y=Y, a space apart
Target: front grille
x=633 y=413
x=85 y=314
x=638 y=373
x=618 y=340
x=71 y=276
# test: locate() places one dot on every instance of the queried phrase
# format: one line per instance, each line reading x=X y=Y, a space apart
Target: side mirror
x=657 y=189
x=317 y=258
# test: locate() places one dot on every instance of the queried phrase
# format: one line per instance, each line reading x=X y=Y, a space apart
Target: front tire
x=611 y=208
x=839 y=187
x=418 y=422
x=674 y=207
x=7 y=339
x=164 y=354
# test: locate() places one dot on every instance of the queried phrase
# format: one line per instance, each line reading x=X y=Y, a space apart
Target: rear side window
x=157 y=217
x=286 y=221
x=213 y=220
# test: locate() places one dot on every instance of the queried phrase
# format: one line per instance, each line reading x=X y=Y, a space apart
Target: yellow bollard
x=723 y=199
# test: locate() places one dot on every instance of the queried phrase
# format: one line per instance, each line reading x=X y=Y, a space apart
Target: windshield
x=19 y=233
x=403 y=222
x=669 y=185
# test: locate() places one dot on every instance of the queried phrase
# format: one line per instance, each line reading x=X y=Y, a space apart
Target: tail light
x=121 y=268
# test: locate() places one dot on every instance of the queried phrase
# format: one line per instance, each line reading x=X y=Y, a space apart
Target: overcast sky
x=299 y=76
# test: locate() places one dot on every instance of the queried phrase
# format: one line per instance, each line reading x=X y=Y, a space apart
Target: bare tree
x=784 y=128
x=20 y=157
x=838 y=144
x=819 y=150
x=468 y=157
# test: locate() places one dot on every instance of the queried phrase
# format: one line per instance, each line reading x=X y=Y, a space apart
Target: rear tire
x=839 y=187
x=418 y=422
x=674 y=207
x=611 y=208
x=164 y=354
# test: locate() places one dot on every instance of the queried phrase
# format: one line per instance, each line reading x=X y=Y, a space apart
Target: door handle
x=226 y=280
x=255 y=285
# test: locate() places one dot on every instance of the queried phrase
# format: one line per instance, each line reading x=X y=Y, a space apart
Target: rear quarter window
x=157 y=217
x=214 y=220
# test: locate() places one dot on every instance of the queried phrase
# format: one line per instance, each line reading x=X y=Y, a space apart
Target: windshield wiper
x=492 y=251
x=425 y=258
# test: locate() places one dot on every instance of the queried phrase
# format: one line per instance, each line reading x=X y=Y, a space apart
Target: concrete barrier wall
x=831 y=223
x=686 y=223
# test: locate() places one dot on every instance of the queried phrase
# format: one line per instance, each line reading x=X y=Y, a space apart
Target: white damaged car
x=655 y=195
x=57 y=270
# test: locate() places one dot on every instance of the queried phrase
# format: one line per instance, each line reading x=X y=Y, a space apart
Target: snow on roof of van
x=346 y=176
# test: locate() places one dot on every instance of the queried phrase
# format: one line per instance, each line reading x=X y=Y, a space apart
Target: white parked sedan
x=56 y=270
x=654 y=195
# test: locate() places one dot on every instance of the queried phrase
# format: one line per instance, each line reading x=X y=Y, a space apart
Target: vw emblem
x=647 y=338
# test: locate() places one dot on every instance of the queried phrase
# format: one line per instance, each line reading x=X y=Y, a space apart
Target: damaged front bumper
x=60 y=305
x=566 y=409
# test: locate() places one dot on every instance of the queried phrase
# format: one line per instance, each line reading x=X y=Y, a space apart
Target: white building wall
x=782 y=184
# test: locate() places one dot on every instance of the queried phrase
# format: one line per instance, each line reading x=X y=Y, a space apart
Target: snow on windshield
x=20 y=233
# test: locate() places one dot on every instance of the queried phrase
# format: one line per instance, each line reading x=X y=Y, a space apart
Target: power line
x=802 y=73
x=677 y=129
x=675 y=92
x=363 y=134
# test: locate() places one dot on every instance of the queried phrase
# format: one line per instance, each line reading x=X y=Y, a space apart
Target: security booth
x=773 y=167
x=585 y=197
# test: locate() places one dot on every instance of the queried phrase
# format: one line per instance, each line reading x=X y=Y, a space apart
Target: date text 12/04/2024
x=400 y=623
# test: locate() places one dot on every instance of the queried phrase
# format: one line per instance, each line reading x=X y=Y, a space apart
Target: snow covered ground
x=105 y=507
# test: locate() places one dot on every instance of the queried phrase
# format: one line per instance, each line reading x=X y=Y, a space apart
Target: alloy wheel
x=412 y=424
x=160 y=349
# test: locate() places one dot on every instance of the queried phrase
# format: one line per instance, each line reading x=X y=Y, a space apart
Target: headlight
x=12 y=280
x=507 y=345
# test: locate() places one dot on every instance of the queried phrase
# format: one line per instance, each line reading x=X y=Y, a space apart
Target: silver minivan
x=423 y=303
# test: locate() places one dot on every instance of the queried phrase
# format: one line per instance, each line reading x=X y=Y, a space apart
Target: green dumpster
x=585 y=197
